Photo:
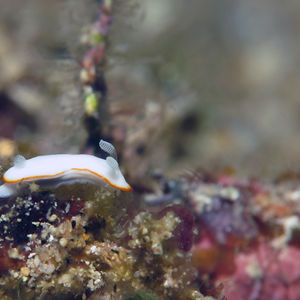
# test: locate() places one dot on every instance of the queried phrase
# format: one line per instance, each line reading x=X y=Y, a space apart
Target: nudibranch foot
x=7 y=190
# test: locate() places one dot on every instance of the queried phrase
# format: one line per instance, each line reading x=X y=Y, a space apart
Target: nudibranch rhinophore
x=60 y=169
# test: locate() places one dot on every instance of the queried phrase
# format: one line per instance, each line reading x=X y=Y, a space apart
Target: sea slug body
x=60 y=169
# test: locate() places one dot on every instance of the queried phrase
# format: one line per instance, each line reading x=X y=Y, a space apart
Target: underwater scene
x=149 y=150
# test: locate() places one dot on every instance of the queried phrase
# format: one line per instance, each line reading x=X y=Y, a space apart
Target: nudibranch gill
x=60 y=169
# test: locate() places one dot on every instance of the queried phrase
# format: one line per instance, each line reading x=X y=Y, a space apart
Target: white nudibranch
x=60 y=169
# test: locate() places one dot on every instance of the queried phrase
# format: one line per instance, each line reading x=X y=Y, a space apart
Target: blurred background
x=191 y=84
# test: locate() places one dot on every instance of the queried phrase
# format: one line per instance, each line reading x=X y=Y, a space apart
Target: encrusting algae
x=148 y=233
x=75 y=249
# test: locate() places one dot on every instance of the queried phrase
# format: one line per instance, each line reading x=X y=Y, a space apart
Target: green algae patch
x=143 y=295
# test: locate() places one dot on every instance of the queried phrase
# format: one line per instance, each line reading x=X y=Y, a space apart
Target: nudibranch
x=60 y=169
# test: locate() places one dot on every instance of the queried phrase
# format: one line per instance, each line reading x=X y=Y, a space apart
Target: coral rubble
x=74 y=248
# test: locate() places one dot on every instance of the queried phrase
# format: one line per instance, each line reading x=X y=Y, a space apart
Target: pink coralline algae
x=225 y=218
x=248 y=238
x=265 y=273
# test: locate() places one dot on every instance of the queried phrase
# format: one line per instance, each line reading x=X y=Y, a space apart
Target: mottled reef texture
x=89 y=246
x=201 y=237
